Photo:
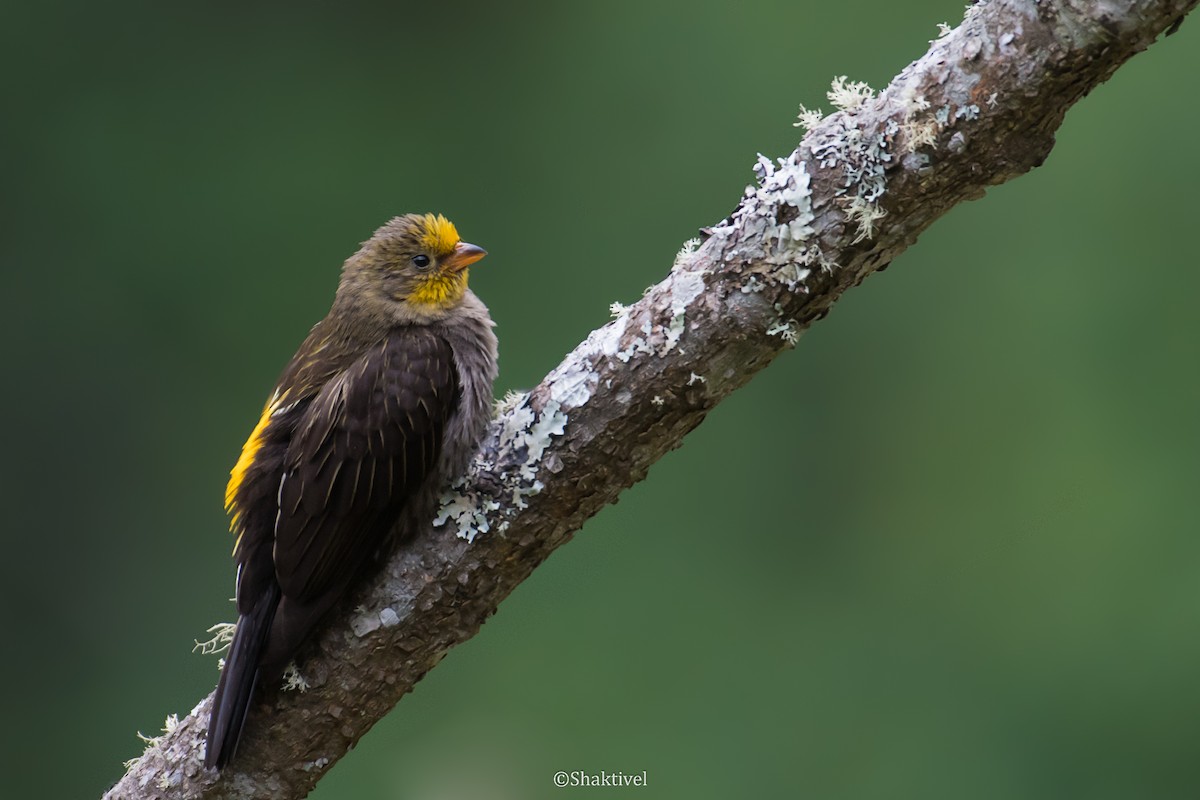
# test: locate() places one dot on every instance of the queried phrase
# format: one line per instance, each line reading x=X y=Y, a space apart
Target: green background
x=945 y=549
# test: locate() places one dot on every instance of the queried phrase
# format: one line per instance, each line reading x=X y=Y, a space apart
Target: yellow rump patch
x=439 y=235
x=250 y=449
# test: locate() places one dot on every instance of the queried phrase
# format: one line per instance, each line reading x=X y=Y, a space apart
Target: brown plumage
x=384 y=401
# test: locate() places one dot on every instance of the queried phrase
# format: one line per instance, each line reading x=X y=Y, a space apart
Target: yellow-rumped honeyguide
x=384 y=402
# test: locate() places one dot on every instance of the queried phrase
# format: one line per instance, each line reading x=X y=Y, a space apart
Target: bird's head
x=415 y=266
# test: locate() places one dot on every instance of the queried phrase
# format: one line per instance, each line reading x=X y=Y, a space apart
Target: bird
x=384 y=402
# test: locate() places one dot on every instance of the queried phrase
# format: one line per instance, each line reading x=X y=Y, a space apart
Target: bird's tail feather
x=238 y=679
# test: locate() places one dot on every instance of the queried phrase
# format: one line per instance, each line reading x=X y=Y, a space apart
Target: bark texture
x=981 y=107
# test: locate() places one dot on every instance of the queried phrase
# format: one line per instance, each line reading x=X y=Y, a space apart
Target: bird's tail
x=238 y=679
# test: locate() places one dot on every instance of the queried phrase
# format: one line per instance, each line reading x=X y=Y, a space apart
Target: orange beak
x=464 y=255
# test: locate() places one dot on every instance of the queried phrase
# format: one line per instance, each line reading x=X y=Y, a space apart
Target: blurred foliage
x=947 y=548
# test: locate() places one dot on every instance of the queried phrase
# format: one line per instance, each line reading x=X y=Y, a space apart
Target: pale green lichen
x=772 y=229
x=685 y=254
x=639 y=344
x=469 y=512
x=617 y=309
x=785 y=329
x=864 y=158
x=808 y=118
x=674 y=330
x=794 y=275
x=551 y=422
x=917 y=130
x=222 y=637
x=910 y=100
x=510 y=401
x=849 y=95
x=154 y=742
x=683 y=289
x=753 y=285
x=606 y=340
x=524 y=437
x=572 y=383
x=920 y=130
x=293 y=681
x=864 y=214
x=918 y=133
x=169 y=726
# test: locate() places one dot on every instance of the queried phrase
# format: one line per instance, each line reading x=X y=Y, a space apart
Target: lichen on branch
x=979 y=108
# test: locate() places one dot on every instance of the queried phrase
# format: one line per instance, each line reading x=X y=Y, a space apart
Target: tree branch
x=980 y=108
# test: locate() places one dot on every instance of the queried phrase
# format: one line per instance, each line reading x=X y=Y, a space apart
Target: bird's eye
x=421 y=261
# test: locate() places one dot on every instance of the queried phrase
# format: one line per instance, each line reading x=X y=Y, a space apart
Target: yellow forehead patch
x=439 y=235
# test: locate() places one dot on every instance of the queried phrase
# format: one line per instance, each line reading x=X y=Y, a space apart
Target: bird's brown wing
x=365 y=444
